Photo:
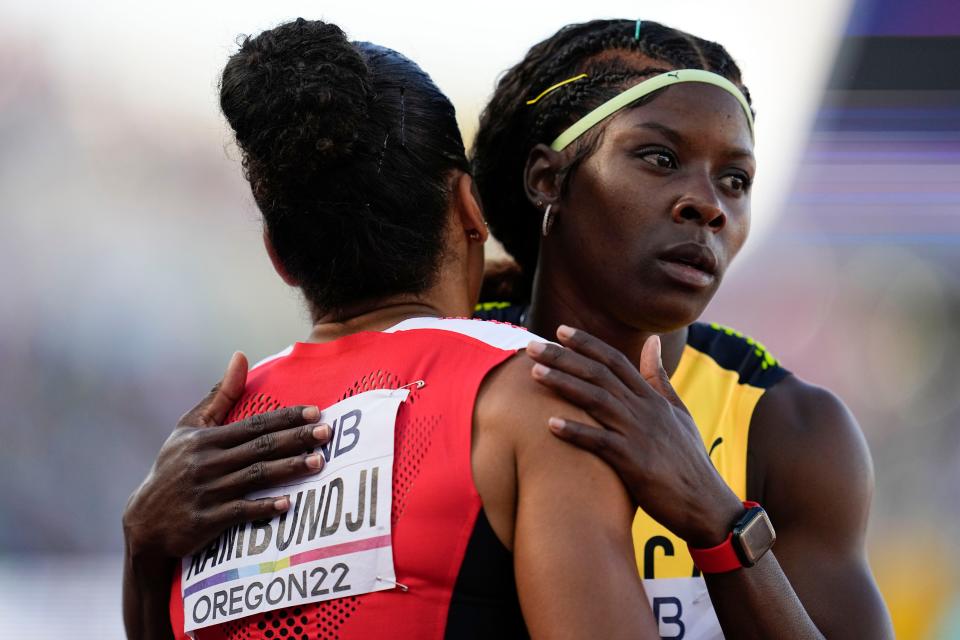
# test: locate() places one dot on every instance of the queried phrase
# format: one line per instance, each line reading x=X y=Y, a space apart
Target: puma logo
x=715 y=444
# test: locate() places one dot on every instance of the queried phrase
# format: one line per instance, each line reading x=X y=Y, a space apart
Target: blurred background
x=131 y=264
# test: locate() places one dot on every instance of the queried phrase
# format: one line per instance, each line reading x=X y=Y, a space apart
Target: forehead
x=695 y=110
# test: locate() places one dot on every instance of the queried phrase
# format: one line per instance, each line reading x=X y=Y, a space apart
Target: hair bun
x=297 y=98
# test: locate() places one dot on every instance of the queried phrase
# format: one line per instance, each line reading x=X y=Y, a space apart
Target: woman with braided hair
x=615 y=164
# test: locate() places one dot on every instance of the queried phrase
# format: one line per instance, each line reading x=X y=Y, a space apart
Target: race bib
x=683 y=609
x=333 y=542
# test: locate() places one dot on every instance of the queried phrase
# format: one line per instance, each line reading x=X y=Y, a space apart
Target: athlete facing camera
x=616 y=162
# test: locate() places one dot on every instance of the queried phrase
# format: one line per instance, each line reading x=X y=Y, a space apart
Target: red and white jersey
x=458 y=577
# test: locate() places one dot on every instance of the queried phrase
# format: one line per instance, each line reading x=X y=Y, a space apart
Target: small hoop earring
x=547 y=221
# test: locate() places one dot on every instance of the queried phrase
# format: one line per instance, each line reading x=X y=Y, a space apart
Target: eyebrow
x=671 y=134
x=677 y=138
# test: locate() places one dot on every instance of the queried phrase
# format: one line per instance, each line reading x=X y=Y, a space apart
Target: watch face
x=755 y=537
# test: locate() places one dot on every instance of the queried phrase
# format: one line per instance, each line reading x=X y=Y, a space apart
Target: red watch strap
x=721 y=558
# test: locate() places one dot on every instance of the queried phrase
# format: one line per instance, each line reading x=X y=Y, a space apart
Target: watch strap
x=721 y=558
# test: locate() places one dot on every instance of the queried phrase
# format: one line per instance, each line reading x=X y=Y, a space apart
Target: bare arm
x=573 y=554
x=196 y=487
x=810 y=468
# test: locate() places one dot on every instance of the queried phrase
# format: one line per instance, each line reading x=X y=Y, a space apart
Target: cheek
x=604 y=229
x=628 y=203
x=738 y=231
x=611 y=210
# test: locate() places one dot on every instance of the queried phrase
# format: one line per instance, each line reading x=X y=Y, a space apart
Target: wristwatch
x=752 y=536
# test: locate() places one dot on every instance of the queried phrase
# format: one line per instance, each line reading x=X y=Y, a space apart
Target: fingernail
x=556 y=424
x=540 y=371
x=656 y=345
x=311 y=414
x=281 y=504
x=322 y=432
x=314 y=461
x=536 y=348
x=565 y=332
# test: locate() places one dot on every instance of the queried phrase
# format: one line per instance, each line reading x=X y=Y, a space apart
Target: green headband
x=646 y=87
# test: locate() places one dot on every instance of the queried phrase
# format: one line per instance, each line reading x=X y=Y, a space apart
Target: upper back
x=436 y=521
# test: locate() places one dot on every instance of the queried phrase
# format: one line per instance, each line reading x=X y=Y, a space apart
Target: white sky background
x=162 y=60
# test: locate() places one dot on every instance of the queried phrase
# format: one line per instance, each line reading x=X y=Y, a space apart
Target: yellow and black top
x=721 y=377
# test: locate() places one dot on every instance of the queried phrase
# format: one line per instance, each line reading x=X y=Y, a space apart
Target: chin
x=664 y=313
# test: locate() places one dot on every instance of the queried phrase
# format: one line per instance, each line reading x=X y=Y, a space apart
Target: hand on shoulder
x=571 y=534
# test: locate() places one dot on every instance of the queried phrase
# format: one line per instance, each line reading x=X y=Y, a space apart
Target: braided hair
x=348 y=148
x=615 y=56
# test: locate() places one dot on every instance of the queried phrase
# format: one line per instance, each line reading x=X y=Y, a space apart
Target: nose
x=702 y=207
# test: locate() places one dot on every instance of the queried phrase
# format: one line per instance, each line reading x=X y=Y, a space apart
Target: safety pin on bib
x=418 y=384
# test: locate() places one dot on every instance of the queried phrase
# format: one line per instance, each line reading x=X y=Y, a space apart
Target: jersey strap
x=500 y=335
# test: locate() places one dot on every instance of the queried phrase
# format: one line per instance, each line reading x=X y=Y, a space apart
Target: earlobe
x=468 y=206
x=277 y=263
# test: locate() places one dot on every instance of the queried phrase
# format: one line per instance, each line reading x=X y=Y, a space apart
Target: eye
x=659 y=158
x=738 y=183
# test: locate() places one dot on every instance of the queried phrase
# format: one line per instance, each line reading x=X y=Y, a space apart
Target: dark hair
x=614 y=57
x=348 y=148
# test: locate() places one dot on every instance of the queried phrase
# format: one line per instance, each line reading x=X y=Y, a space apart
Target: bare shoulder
x=572 y=515
x=807 y=451
x=798 y=412
x=511 y=381
x=516 y=408
x=811 y=469
x=513 y=450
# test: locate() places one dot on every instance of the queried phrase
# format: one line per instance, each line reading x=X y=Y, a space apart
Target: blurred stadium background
x=131 y=266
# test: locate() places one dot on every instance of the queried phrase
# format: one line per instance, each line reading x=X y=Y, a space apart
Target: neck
x=371 y=316
x=448 y=296
x=552 y=306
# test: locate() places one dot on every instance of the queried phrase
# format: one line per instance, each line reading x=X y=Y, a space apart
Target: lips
x=690 y=264
x=694 y=255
